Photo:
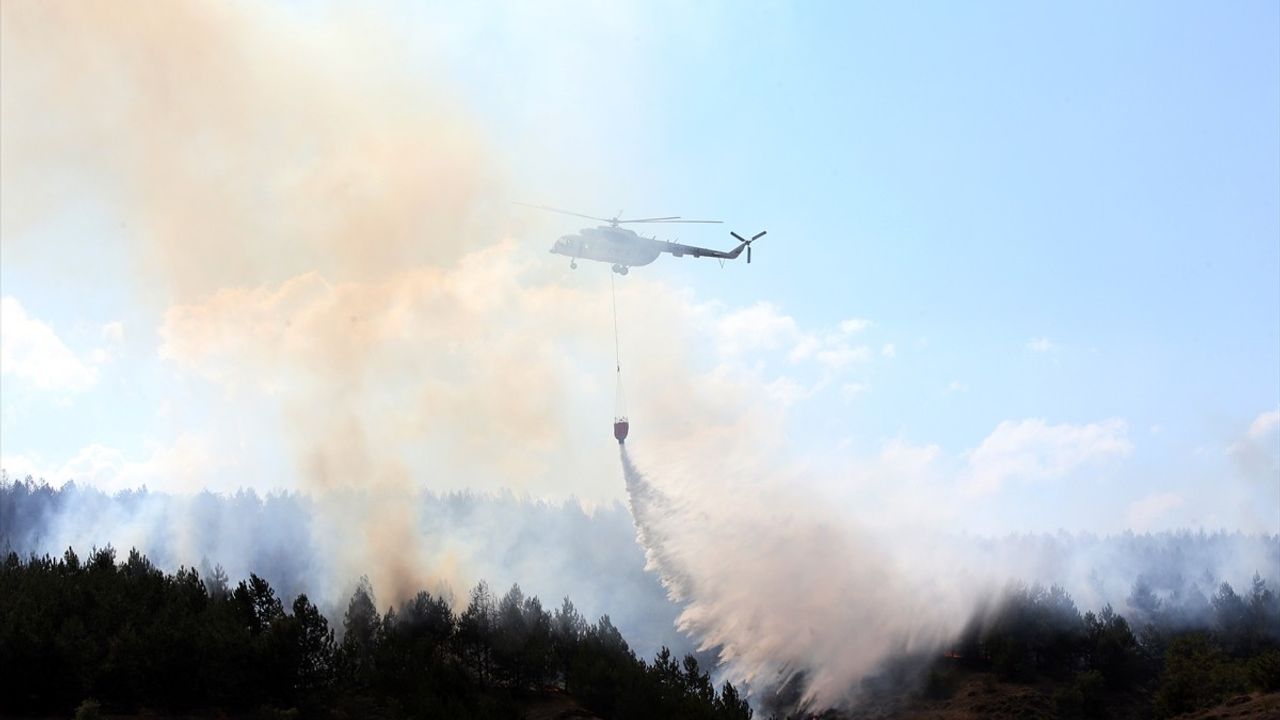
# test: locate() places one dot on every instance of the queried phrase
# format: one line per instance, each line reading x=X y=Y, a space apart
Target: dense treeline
x=129 y=636
x=1181 y=638
x=551 y=548
x=1098 y=658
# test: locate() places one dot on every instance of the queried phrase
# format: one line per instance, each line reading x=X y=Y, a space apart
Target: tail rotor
x=747 y=242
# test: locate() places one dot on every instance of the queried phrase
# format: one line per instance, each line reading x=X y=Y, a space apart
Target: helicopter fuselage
x=615 y=245
x=625 y=248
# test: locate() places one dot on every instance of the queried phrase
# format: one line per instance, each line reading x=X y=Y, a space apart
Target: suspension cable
x=617 y=353
x=619 y=402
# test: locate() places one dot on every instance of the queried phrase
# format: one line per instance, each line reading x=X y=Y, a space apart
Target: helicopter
x=625 y=248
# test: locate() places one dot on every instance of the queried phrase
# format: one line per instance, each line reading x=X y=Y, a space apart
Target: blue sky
x=1066 y=212
x=1106 y=177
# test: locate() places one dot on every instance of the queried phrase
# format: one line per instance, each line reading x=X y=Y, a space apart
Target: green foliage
x=1083 y=697
x=1197 y=673
x=1239 y=653
x=361 y=627
x=1068 y=702
x=1036 y=633
x=135 y=637
x=731 y=705
x=90 y=709
x=1086 y=694
x=1263 y=671
x=1111 y=648
x=315 y=648
x=940 y=683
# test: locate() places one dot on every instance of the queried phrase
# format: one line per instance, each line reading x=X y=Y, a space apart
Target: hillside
x=981 y=696
x=124 y=638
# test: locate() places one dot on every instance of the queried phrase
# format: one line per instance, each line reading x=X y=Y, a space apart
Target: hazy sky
x=1022 y=255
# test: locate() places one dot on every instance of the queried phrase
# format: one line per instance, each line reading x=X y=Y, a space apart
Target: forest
x=101 y=634
x=97 y=635
x=1033 y=654
x=550 y=549
x=1166 y=662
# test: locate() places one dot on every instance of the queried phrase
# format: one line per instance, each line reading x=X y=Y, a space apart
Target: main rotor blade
x=658 y=219
x=563 y=212
x=672 y=220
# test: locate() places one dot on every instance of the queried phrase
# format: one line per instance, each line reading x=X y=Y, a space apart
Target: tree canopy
x=125 y=636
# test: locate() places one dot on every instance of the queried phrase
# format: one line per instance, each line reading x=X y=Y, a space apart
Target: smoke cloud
x=318 y=227
x=236 y=144
x=790 y=589
x=779 y=584
x=313 y=217
x=316 y=223
x=551 y=549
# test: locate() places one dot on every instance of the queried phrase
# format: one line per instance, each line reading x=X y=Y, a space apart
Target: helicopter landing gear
x=621 y=269
x=573 y=264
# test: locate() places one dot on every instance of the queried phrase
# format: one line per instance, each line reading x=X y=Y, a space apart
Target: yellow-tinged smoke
x=318 y=224
x=237 y=144
x=274 y=174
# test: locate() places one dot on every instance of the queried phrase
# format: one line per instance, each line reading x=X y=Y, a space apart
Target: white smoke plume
x=786 y=587
x=316 y=229
x=779 y=584
x=551 y=549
